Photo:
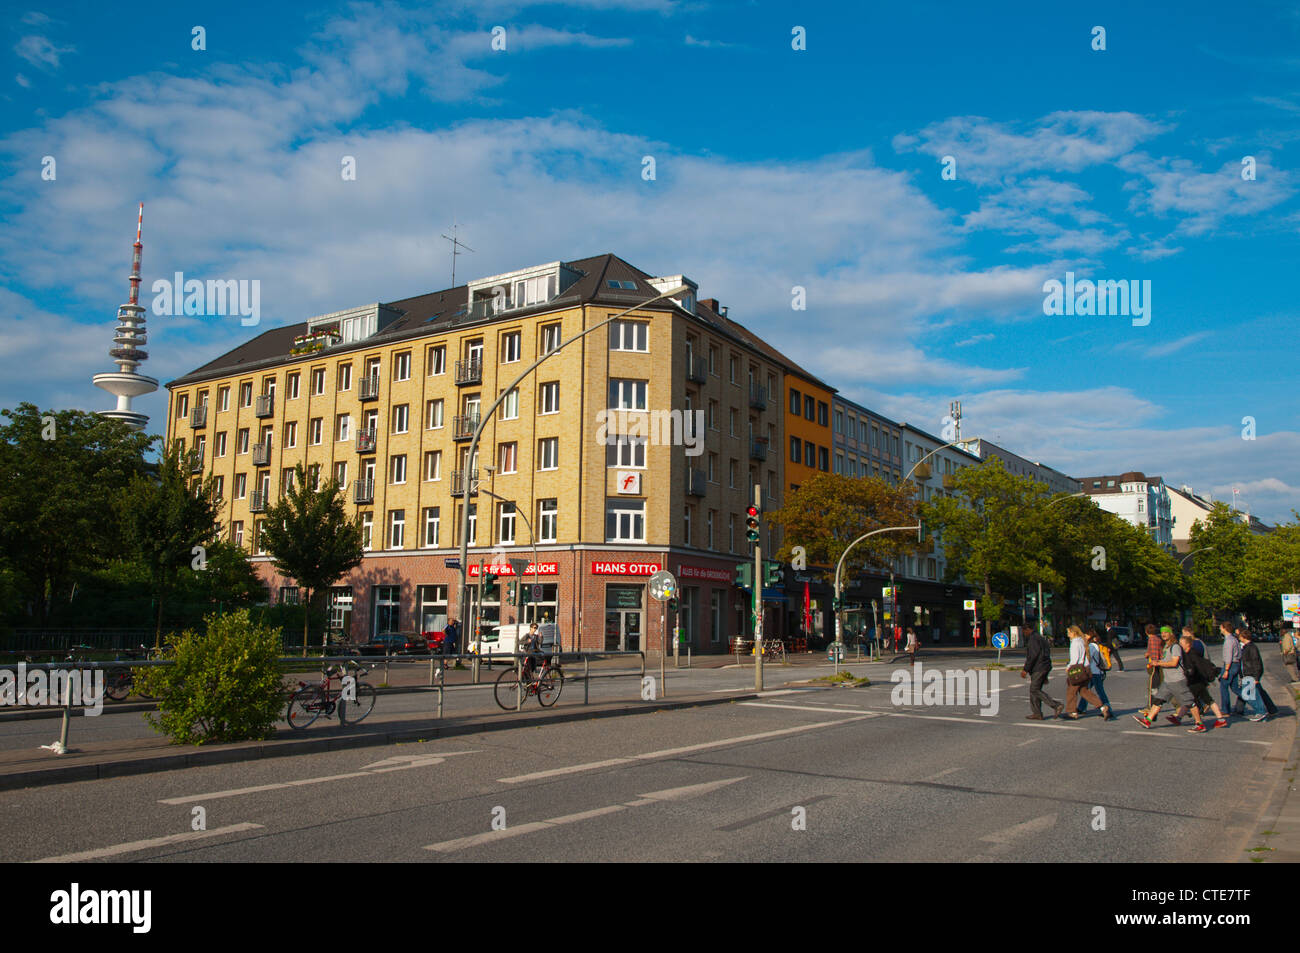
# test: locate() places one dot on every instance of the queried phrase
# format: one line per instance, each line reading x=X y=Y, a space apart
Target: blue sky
x=774 y=168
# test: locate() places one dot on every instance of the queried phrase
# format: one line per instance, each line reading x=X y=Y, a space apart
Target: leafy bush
x=224 y=686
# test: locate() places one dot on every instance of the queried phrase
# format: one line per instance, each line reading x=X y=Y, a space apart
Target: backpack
x=1104 y=651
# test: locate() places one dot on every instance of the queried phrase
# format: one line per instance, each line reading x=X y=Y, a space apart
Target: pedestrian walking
x=450 y=633
x=1252 y=670
x=1155 y=646
x=1099 y=661
x=1230 y=671
x=1173 y=683
x=1112 y=640
x=1038 y=665
x=1290 y=646
x=1201 y=673
x=1079 y=675
x=913 y=643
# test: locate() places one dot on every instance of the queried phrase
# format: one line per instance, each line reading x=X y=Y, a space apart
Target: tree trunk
x=306 y=618
x=157 y=636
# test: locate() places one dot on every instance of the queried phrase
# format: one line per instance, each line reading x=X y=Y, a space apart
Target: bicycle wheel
x=117 y=683
x=351 y=712
x=549 y=687
x=304 y=707
x=505 y=689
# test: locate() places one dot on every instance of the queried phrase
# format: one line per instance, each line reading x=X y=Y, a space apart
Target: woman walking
x=1099 y=657
x=1078 y=675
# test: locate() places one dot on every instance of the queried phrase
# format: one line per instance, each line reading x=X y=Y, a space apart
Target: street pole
x=758 y=597
x=839 y=568
x=472 y=453
x=1039 y=607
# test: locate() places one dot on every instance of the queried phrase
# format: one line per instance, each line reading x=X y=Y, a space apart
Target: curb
x=1267 y=787
x=279 y=749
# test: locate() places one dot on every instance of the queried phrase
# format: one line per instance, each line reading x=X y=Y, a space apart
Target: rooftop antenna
x=954 y=408
x=456 y=246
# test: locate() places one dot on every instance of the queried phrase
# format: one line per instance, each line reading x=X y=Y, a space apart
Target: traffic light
x=1031 y=600
x=672 y=605
x=1047 y=600
x=745 y=575
x=523 y=594
x=489 y=587
x=512 y=592
x=773 y=573
x=751 y=523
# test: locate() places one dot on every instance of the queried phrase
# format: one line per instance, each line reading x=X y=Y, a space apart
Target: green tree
x=310 y=538
x=1221 y=543
x=165 y=518
x=61 y=471
x=1273 y=566
x=829 y=511
x=992 y=532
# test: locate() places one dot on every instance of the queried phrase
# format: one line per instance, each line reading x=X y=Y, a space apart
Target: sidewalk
x=1276 y=837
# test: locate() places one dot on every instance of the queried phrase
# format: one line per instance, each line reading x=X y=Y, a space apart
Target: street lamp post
x=1039 y=607
x=487 y=416
x=839 y=566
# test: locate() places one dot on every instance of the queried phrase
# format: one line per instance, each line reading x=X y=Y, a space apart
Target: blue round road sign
x=1000 y=640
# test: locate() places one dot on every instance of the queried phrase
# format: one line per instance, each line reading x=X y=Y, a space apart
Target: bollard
x=586 y=680
x=386 y=681
x=431 y=670
x=519 y=688
x=688 y=656
x=442 y=686
x=67 y=717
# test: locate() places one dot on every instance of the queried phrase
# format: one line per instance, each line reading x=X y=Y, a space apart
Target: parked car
x=396 y=643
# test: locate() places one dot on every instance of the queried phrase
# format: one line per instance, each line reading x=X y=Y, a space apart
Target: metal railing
x=695 y=480
x=463 y=426
x=363 y=491
x=265 y=405
x=195 y=457
x=366 y=441
x=697 y=369
x=257 y=501
x=469 y=371
x=368 y=388
x=758 y=396
x=261 y=454
x=199 y=416
x=458 y=482
x=758 y=449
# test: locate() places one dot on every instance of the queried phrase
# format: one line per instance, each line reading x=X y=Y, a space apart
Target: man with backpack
x=1252 y=670
x=1290 y=646
x=1112 y=642
x=1038 y=664
x=1201 y=673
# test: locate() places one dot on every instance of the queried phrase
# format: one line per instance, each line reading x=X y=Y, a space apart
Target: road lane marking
x=643 y=800
x=779 y=812
x=833 y=711
x=1267 y=744
x=1150 y=731
x=1029 y=742
x=671 y=752
x=1035 y=826
x=146 y=844
x=943 y=773
x=401 y=763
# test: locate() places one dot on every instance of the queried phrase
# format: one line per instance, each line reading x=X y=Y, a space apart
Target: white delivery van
x=505 y=639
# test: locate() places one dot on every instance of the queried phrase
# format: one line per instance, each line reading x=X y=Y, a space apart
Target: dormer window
x=619 y=284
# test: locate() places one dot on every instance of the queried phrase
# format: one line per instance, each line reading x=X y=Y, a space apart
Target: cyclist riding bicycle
x=532 y=645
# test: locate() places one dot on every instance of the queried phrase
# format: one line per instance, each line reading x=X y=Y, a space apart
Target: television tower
x=129 y=352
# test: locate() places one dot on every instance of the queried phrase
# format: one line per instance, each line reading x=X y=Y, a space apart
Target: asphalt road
x=875 y=781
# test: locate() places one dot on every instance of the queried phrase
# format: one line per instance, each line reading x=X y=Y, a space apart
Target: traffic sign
x=537 y=592
x=519 y=565
x=663 y=586
x=452 y=563
x=1000 y=640
x=969 y=605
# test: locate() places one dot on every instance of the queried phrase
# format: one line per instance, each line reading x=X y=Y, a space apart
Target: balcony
x=462 y=428
x=363 y=491
x=949 y=481
x=366 y=441
x=195 y=458
x=368 y=387
x=757 y=396
x=697 y=369
x=757 y=449
x=695 y=481
x=469 y=372
x=262 y=454
x=265 y=405
x=199 y=416
x=257 y=501
x=458 y=482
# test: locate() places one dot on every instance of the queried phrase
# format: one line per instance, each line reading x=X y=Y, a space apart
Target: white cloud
x=41 y=52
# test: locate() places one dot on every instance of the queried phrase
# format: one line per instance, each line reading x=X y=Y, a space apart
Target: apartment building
x=1143 y=501
x=1054 y=480
x=807 y=426
x=632 y=449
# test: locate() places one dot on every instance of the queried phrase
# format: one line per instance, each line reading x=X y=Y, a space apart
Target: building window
x=367 y=530
x=510 y=347
x=627 y=394
x=686 y=526
x=822 y=412
x=709 y=528
x=549 y=401
x=345 y=377
x=550 y=338
x=506 y=524
x=401 y=415
x=713 y=360
x=241 y=485
x=433 y=465
x=839 y=421
x=626 y=452
x=219 y=487
x=810 y=455
x=259 y=529
x=796 y=449
x=291 y=386
x=318 y=381
x=237 y=533
x=432 y=523
x=839 y=463
x=713 y=468
x=629 y=336
x=809 y=408
x=547 y=518
x=219 y=445
x=341 y=473
x=246 y=394
x=731 y=474
x=317 y=429
x=548 y=453
x=625 y=521
x=510 y=406
x=507 y=457
x=286 y=479
x=433 y=414
x=732 y=363
x=241 y=441
x=823 y=459
x=731 y=422
x=291 y=434
x=223 y=399
x=796 y=401
x=342 y=426
x=387 y=609
x=397 y=468
x=402 y=366
x=396 y=528
x=435 y=361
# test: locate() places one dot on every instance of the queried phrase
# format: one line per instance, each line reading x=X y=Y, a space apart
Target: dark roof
x=1132 y=476
x=444 y=310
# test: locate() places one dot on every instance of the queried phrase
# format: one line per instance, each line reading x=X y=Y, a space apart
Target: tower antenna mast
x=456 y=246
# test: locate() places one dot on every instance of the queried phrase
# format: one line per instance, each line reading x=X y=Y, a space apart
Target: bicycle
x=546 y=683
x=120 y=682
x=309 y=702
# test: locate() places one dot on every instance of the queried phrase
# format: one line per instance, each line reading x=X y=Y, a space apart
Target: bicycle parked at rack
x=120 y=682
x=546 y=683
x=353 y=703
